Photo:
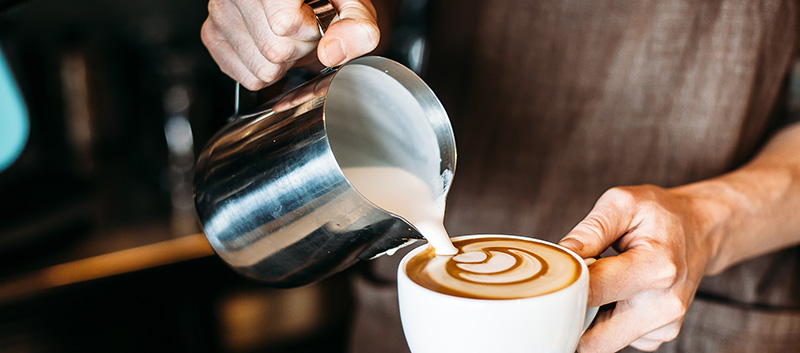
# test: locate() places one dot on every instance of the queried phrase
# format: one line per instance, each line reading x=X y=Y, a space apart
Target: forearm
x=752 y=210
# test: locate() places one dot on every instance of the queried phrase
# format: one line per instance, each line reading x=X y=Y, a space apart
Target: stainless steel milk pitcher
x=269 y=188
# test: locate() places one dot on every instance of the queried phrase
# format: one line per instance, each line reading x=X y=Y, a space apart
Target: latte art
x=495 y=268
x=496 y=265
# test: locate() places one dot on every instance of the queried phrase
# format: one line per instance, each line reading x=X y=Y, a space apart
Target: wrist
x=709 y=208
x=743 y=214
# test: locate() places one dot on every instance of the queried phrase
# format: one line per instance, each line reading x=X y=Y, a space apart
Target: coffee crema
x=495 y=268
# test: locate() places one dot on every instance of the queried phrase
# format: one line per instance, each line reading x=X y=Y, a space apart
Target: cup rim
x=402 y=276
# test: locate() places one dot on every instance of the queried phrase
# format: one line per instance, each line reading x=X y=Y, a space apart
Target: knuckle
x=252 y=83
x=651 y=205
x=642 y=195
x=285 y=22
x=670 y=333
x=216 y=9
x=207 y=35
x=673 y=309
x=646 y=346
x=622 y=195
x=667 y=275
x=276 y=53
x=214 y=5
x=666 y=333
x=268 y=73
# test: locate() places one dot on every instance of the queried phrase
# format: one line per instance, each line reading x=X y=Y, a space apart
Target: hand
x=256 y=41
x=665 y=247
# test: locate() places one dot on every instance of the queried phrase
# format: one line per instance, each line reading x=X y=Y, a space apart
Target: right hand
x=256 y=41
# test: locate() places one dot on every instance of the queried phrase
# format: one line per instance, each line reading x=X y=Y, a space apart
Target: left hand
x=665 y=246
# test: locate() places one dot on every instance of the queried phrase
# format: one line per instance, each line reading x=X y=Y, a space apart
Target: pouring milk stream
x=406 y=195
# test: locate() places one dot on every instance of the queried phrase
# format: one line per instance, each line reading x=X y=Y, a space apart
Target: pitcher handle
x=325 y=12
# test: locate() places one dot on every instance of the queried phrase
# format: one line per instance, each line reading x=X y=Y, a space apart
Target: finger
x=291 y=18
x=623 y=276
x=651 y=341
x=629 y=321
x=230 y=23
x=275 y=48
x=611 y=218
x=227 y=58
x=646 y=345
x=355 y=34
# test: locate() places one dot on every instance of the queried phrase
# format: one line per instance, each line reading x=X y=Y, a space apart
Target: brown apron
x=553 y=102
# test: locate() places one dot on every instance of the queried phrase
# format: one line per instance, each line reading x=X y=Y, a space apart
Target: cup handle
x=591 y=313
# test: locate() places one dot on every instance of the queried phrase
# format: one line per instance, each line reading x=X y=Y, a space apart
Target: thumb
x=355 y=34
x=606 y=222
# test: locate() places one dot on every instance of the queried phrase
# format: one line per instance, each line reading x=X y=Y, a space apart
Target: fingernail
x=334 y=52
x=571 y=243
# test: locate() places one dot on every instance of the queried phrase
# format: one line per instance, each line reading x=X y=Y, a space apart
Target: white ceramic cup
x=439 y=323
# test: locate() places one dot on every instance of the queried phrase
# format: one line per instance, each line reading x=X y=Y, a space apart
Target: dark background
x=122 y=96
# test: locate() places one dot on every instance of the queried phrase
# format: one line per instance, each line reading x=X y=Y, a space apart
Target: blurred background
x=100 y=250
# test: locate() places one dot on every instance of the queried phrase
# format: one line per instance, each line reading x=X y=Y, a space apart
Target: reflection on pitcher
x=312 y=92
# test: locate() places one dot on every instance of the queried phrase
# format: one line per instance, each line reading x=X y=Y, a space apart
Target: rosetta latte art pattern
x=495 y=268
x=496 y=265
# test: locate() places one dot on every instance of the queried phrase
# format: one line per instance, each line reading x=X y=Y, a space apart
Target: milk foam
x=406 y=195
x=495 y=268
